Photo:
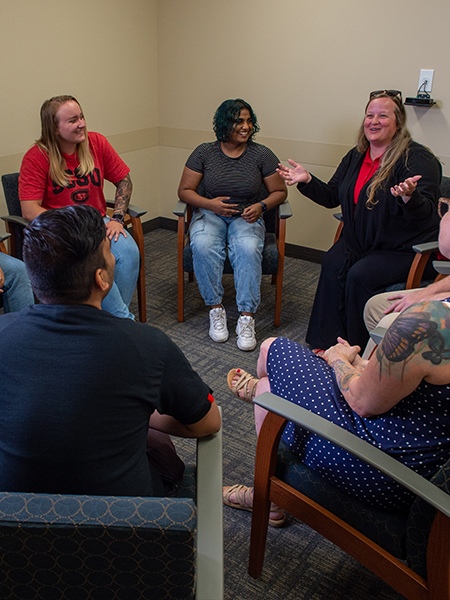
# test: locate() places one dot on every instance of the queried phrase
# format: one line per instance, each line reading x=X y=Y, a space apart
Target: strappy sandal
x=246 y=383
x=244 y=497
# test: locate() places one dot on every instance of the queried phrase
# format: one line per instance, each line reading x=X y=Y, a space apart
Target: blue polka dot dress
x=415 y=431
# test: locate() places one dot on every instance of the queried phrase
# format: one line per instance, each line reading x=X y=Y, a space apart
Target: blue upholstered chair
x=15 y=224
x=409 y=550
x=273 y=253
x=55 y=547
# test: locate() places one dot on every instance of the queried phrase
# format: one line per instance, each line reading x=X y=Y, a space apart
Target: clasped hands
x=223 y=208
x=343 y=351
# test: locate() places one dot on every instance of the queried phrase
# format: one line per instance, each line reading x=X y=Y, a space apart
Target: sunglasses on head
x=443 y=206
x=390 y=93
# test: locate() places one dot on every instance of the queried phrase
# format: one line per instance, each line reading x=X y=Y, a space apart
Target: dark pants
x=342 y=293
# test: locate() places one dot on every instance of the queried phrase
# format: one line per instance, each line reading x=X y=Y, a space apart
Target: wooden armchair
x=273 y=253
x=15 y=224
x=380 y=540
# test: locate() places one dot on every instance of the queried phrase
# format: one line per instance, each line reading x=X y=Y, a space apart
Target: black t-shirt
x=78 y=388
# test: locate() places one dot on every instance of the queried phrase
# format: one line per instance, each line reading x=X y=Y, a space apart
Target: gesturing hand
x=405 y=189
x=297 y=174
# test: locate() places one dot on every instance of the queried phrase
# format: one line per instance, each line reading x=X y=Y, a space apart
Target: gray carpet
x=299 y=564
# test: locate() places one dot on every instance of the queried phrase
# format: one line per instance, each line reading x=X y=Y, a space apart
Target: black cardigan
x=391 y=224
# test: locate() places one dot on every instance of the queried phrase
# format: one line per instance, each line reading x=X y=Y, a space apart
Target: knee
x=200 y=244
x=125 y=250
x=21 y=270
x=359 y=275
x=267 y=343
x=374 y=310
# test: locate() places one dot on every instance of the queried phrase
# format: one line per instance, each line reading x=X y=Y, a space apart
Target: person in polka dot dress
x=398 y=400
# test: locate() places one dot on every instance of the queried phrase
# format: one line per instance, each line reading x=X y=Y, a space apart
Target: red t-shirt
x=368 y=168
x=35 y=182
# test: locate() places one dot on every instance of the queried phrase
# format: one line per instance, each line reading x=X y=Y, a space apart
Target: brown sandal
x=244 y=497
x=246 y=383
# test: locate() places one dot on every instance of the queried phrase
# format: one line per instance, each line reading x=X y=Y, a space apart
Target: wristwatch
x=264 y=206
x=118 y=217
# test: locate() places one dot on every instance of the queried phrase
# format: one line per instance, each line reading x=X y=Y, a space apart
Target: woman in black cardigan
x=388 y=190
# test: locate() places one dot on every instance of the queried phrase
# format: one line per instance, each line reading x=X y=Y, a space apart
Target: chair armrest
x=209 y=517
x=16 y=220
x=359 y=448
x=426 y=247
x=180 y=209
x=339 y=217
x=136 y=211
x=377 y=334
x=442 y=266
x=284 y=210
x=132 y=210
x=4 y=236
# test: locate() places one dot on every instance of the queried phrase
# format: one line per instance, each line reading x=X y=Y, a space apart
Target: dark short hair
x=62 y=251
x=226 y=117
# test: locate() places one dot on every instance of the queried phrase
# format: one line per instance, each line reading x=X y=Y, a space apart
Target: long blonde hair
x=48 y=142
x=398 y=147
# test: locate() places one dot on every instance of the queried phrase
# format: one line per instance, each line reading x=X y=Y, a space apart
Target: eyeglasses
x=443 y=206
x=390 y=93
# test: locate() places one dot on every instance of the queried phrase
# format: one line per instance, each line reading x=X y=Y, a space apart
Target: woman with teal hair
x=231 y=182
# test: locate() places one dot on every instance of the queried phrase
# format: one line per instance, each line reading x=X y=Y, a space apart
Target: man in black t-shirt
x=80 y=386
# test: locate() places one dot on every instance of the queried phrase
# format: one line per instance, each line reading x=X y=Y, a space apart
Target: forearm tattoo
x=344 y=374
x=123 y=195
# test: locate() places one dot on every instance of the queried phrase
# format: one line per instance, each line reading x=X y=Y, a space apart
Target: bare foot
x=242 y=384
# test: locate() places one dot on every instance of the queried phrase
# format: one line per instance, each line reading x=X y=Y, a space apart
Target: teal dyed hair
x=226 y=117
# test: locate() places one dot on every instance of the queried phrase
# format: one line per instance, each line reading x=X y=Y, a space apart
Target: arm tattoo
x=409 y=335
x=344 y=374
x=123 y=194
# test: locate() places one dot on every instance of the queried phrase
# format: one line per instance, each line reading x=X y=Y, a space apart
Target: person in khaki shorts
x=383 y=309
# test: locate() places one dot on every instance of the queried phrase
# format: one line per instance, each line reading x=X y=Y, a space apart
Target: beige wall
x=307 y=68
x=104 y=52
x=150 y=74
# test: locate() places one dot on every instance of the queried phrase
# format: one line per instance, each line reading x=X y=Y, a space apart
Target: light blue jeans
x=17 y=292
x=210 y=235
x=126 y=272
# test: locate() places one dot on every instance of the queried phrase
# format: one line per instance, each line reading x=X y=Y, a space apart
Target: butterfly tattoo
x=405 y=333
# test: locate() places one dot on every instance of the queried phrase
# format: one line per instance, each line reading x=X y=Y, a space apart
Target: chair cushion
x=421 y=518
x=387 y=529
x=96 y=547
x=269 y=260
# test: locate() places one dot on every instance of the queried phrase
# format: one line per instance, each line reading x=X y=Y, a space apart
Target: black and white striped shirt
x=241 y=178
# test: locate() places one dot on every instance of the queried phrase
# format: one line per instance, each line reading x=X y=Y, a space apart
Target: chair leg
x=11 y=240
x=180 y=271
x=265 y=463
x=138 y=236
x=279 y=288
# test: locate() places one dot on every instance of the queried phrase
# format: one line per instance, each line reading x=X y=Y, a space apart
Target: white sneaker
x=245 y=330
x=218 y=331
